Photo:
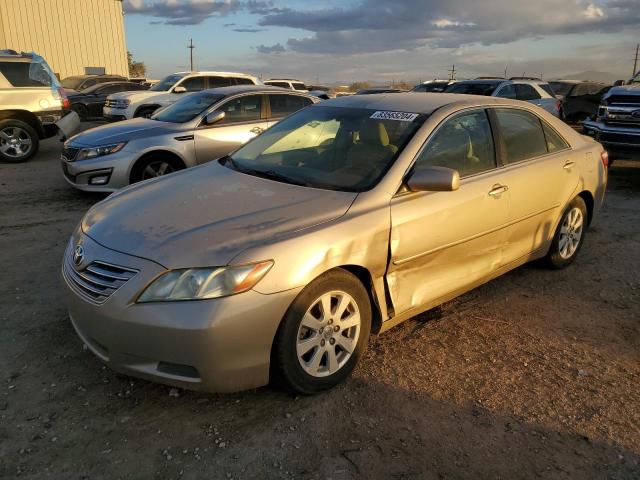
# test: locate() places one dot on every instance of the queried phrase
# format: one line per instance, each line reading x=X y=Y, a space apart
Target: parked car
x=123 y=106
x=89 y=102
x=33 y=106
x=198 y=128
x=432 y=86
x=374 y=90
x=288 y=83
x=579 y=100
x=278 y=260
x=617 y=123
x=533 y=91
x=321 y=94
x=81 y=82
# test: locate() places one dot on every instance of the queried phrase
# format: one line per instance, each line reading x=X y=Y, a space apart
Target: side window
x=526 y=92
x=507 y=91
x=521 y=134
x=243 y=109
x=463 y=143
x=280 y=84
x=24 y=74
x=109 y=89
x=547 y=88
x=283 y=105
x=89 y=83
x=554 y=141
x=243 y=81
x=215 y=82
x=298 y=86
x=580 y=90
x=193 y=84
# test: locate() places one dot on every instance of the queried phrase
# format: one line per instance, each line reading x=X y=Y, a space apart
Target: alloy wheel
x=328 y=334
x=570 y=233
x=15 y=142
x=157 y=169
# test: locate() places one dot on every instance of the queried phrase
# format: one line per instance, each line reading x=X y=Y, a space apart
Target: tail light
x=604 y=156
x=66 y=104
x=558 y=105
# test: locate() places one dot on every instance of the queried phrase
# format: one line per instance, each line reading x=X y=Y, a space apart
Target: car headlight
x=202 y=283
x=94 y=152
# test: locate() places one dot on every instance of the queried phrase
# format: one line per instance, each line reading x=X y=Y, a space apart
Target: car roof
x=283 y=80
x=414 y=102
x=221 y=74
x=235 y=89
x=484 y=81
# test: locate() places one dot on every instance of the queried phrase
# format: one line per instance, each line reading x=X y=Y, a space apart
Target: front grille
x=98 y=280
x=69 y=153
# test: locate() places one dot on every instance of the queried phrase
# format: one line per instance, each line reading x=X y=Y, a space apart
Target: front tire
x=323 y=334
x=569 y=235
x=145 y=112
x=19 y=142
x=154 y=165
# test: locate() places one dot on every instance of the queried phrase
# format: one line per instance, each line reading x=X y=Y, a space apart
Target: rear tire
x=323 y=334
x=19 y=141
x=154 y=165
x=569 y=235
x=82 y=112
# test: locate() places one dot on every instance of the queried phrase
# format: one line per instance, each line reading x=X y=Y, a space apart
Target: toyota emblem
x=78 y=255
x=635 y=114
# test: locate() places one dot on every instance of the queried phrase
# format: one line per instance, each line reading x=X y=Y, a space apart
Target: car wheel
x=569 y=235
x=82 y=112
x=18 y=141
x=153 y=166
x=323 y=334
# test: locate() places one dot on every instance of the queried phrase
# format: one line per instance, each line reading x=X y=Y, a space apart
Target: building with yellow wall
x=74 y=36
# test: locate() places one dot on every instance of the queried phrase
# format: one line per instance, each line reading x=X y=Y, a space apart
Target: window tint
x=298 y=86
x=547 y=88
x=472 y=88
x=193 y=84
x=25 y=74
x=244 y=81
x=521 y=133
x=561 y=88
x=283 y=105
x=554 y=141
x=88 y=83
x=507 y=91
x=279 y=84
x=463 y=143
x=243 y=109
x=526 y=92
x=215 y=82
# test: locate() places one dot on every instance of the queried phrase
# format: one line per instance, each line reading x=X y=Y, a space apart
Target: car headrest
x=374 y=133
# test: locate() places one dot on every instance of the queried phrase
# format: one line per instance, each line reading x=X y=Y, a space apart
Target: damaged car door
x=444 y=242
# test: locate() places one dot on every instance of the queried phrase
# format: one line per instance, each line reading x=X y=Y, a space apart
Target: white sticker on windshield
x=399 y=116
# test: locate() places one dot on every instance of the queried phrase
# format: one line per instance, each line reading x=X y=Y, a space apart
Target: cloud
x=182 y=12
x=249 y=30
x=390 y=25
x=266 y=49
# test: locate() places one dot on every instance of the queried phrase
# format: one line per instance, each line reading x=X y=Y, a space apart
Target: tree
x=136 y=69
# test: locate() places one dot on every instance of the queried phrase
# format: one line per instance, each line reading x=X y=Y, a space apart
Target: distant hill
x=596 y=76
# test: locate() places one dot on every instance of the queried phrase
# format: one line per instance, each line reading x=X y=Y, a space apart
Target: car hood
x=207 y=215
x=124 y=131
x=623 y=90
x=135 y=95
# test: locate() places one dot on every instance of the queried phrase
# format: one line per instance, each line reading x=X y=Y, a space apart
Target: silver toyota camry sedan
x=348 y=217
x=199 y=128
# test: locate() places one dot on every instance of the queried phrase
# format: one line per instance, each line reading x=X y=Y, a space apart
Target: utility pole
x=191 y=46
x=452 y=73
x=505 y=70
x=635 y=62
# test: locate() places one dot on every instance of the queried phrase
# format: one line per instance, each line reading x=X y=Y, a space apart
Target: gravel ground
x=534 y=375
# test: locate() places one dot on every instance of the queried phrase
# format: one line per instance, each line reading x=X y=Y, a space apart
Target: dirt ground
x=535 y=375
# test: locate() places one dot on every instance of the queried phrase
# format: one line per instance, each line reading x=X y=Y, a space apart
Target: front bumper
x=219 y=345
x=102 y=174
x=617 y=139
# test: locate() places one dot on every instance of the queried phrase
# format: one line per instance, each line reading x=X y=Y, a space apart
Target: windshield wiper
x=269 y=174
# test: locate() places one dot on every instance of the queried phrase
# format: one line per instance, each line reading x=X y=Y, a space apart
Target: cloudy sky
x=333 y=41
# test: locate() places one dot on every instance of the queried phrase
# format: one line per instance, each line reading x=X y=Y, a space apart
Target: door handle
x=498 y=189
x=569 y=165
x=257 y=130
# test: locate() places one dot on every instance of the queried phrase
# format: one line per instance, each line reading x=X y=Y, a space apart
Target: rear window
x=299 y=86
x=26 y=74
x=283 y=105
x=526 y=92
x=244 y=81
x=279 y=84
x=561 y=88
x=485 y=89
x=547 y=88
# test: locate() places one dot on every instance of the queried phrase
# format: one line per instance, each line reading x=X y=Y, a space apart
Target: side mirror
x=618 y=83
x=179 y=90
x=434 y=179
x=214 y=117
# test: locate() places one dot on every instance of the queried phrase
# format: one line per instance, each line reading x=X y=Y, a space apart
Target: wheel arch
x=153 y=153
x=25 y=116
x=589 y=201
x=145 y=106
x=366 y=279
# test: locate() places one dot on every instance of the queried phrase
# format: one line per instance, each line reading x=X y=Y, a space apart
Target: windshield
x=485 y=89
x=166 y=83
x=347 y=149
x=72 y=82
x=430 y=87
x=561 y=88
x=188 y=108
